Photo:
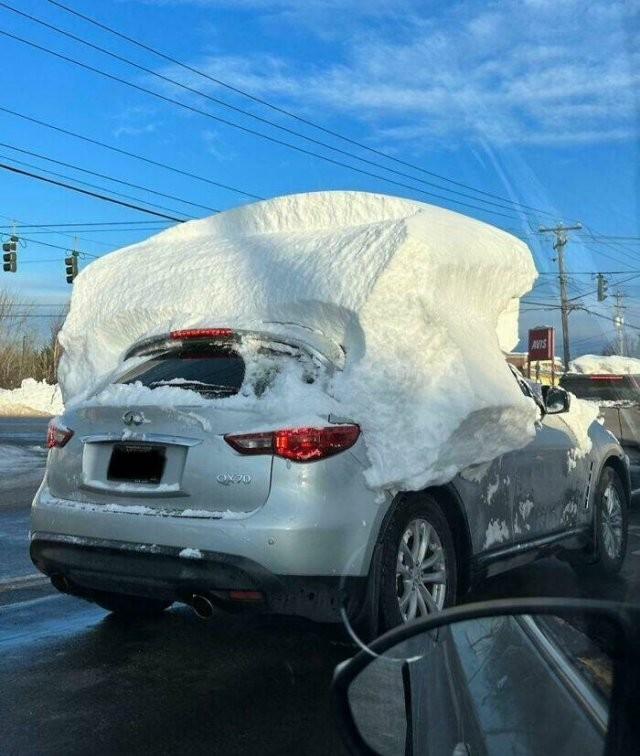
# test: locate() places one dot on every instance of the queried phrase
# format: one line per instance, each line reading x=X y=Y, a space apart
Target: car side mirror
x=556 y=400
x=526 y=676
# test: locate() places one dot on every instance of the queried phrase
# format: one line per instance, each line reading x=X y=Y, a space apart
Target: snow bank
x=33 y=397
x=423 y=301
x=598 y=364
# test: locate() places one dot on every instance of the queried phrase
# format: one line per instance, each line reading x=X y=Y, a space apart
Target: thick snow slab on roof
x=422 y=300
x=600 y=365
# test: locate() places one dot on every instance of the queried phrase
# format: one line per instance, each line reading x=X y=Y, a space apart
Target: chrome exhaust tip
x=201 y=606
x=60 y=583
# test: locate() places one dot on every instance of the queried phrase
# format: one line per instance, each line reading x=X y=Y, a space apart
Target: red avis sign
x=541 y=344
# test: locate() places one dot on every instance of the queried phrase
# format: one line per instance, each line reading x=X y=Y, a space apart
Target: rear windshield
x=221 y=370
x=603 y=388
x=211 y=371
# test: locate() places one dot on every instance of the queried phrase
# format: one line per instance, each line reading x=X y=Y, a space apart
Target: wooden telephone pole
x=559 y=244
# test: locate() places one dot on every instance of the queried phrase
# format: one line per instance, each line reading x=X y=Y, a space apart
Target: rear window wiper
x=197 y=386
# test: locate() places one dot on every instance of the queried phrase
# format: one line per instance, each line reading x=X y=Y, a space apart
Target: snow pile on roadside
x=600 y=365
x=423 y=301
x=32 y=398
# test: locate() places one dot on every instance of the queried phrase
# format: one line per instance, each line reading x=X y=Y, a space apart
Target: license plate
x=137 y=463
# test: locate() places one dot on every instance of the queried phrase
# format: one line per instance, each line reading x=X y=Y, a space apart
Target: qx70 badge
x=225 y=479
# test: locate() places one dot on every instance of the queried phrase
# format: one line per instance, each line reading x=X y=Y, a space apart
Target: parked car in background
x=619 y=400
x=145 y=505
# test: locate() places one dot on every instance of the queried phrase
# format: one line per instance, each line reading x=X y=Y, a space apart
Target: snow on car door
x=547 y=479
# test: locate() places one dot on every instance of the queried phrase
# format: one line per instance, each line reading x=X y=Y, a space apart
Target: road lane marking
x=23 y=581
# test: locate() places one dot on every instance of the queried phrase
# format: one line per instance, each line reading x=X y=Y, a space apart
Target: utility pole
x=559 y=244
x=618 y=319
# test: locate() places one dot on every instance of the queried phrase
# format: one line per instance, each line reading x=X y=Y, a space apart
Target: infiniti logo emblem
x=133 y=418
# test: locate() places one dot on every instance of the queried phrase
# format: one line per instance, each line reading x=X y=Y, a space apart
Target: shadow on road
x=87 y=681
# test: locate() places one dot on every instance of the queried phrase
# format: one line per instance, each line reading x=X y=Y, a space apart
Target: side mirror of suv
x=556 y=400
x=528 y=676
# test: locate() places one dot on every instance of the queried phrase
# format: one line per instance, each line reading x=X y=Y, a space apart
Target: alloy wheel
x=421 y=576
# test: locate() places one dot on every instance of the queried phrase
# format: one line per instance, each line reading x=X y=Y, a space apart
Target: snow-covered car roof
x=421 y=299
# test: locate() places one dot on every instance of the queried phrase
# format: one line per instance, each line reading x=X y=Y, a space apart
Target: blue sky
x=534 y=101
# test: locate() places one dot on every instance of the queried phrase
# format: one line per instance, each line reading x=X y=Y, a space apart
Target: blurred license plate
x=137 y=463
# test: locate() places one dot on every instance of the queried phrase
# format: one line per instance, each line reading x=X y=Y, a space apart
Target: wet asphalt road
x=74 y=679
x=23 y=431
x=81 y=681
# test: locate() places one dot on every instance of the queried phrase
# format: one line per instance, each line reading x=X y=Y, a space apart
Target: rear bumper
x=292 y=534
x=91 y=565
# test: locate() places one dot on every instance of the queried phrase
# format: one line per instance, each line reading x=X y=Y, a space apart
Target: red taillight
x=246 y=596
x=607 y=378
x=201 y=333
x=57 y=436
x=297 y=444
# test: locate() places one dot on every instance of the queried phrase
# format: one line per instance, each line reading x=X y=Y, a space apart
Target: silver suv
x=145 y=505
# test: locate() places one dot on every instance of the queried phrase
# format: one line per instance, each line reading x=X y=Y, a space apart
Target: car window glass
x=209 y=371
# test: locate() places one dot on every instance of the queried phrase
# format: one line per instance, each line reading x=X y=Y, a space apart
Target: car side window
x=523 y=386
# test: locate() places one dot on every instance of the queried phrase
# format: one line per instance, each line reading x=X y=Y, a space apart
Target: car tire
x=130 y=606
x=404 y=592
x=611 y=520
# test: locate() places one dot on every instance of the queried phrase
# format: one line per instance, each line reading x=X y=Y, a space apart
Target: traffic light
x=603 y=285
x=9 y=256
x=71 y=265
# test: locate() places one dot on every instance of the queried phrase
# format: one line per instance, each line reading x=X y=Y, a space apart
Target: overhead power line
x=510 y=203
x=248 y=130
x=595 y=291
x=135 y=229
x=76 y=236
x=608 y=255
x=633 y=326
x=614 y=238
x=75 y=167
x=552 y=306
x=54 y=246
x=587 y=272
x=112 y=192
x=127 y=153
x=105 y=198
x=290 y=114
x=616 y=246
x=89 y=223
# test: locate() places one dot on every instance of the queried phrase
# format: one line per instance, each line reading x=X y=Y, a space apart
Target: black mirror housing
x=556 y=400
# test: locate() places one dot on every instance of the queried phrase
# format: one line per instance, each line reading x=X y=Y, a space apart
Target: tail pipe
x=60 y=583
x=202 y=606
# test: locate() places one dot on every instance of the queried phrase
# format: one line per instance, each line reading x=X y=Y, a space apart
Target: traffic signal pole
x=559 y=245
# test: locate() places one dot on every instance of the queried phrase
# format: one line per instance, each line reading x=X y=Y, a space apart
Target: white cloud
x=215 y=146
x=134 y=121
x=541 y=72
